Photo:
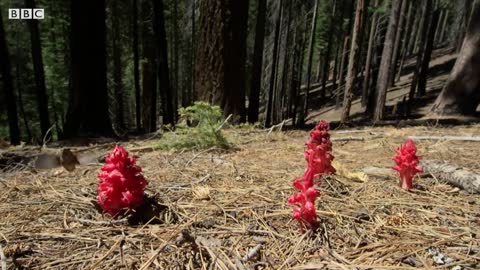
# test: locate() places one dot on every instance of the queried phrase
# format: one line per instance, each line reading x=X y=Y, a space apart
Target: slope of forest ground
x=228 y=210
x=440 y=67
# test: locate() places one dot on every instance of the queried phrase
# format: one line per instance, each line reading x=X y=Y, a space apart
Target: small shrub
x=200 y=127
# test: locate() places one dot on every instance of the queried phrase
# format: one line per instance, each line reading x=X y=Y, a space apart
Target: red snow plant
x=121 y=184
x=319 y=162
x=407 y=164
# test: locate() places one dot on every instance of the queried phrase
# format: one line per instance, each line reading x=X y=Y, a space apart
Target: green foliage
x=206 y=131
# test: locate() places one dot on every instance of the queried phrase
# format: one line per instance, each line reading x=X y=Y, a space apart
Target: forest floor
x=227 y=209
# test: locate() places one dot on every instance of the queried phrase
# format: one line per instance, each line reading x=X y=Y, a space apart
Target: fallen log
x=447 y=138
x=453 y=175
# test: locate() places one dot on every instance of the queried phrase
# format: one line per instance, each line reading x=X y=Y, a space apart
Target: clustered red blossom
x=319 y=162
x=407 y=162
x=121 y=184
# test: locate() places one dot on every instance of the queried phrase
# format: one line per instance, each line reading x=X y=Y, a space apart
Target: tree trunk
x=36 y=47
x=235 y=56
x=286 y=67
x=443 y=30
x=309 y=63
x=386 y=63
x=415 y=30
x=398 y=39
x=352 y=72
x=338 y=49
x=176 y=48
x=256 y=82
x=406 y=38
x=461 y=94
x=9 y=99
x=88 y=112
x=341 y=80
x=326 y=62
x=162 y=64
x=220 y=55
x=271 y=90
x=149 y=74
x=421 y=49
x=136 y=71
x=423 y=75
x=117 y=68
x=368 y=64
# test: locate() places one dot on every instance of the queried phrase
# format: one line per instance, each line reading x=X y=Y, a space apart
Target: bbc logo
x=26 y=13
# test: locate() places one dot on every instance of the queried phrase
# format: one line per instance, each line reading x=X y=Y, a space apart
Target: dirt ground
x=228 y=210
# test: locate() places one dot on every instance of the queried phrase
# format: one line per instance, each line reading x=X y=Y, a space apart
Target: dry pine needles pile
x=228 y=210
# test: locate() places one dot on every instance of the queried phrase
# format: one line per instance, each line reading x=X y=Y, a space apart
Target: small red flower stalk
x=407 y=162
x=121 y=184
x=319 y=162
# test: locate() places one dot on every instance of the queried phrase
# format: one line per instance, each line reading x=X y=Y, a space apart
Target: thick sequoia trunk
x=386 y=62
x=88 y=109
x=461 y=94
x=36 y=47
x=220 y=55
x=162 y=63
x=255 y=87
x=149 y=74
x=352 y=70
x=9 y=97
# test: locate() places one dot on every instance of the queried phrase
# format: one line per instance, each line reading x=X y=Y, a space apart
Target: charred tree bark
x=136 y=70
x=9 y=99
x=256 y=82
x=88 y=109
x=461 y=94
x=162 y=58
x=357 y=37
x=386 y=63
x=36 y=50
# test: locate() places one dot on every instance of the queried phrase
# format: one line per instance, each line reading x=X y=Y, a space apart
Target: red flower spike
x=121 y=184
x=407 y=162
x=319 y=162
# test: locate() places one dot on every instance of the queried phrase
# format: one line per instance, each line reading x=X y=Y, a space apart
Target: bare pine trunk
x=368 y=65
x=271 y=90
x=386 y=63
x=309 y=63
x=352 y=72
